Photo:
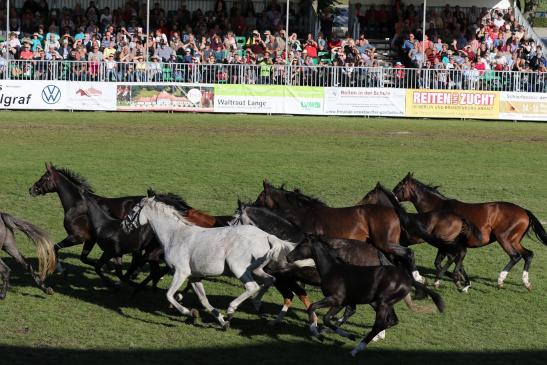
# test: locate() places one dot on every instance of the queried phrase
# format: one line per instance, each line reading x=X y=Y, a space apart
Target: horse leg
x=449 y=261
x=251 y=288
x=514 y=258
x=348 y=312
x=326 y=302
x=5 y=274
x=267 y=282
x=68 y=241
x=200 y=292
x=11 y=249
x=438 y=267
x=383 y=314
x=179 y=277
x=105 y=257
x=527 y=255
x=327 y=320
x=459 y=272
x=283 y=285
x=407 y=255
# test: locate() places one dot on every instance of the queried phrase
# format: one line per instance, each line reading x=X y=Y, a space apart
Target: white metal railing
x=279 y=74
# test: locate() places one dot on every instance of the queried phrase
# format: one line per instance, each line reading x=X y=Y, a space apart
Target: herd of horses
x=356 y=255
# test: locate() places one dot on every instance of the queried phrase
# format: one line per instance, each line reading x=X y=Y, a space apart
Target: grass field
x=211 y=160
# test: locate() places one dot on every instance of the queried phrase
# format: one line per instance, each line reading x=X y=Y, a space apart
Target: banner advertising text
x=452 y=103
x=523 y=106
x=364 y=101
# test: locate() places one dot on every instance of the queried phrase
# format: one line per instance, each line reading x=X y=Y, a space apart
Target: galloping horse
x=68 y=185
x=44 y=251
x=448 y=227
x=375 y=224
x=196 y=252
x=348 y=285
x=504 y=222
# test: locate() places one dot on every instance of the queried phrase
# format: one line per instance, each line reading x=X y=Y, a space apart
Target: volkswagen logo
x=51 y=94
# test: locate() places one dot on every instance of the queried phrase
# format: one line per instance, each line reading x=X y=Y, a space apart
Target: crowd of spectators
x=114 y=45
x=479 y=42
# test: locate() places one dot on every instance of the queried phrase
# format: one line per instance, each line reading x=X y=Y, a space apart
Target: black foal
x=342 y=284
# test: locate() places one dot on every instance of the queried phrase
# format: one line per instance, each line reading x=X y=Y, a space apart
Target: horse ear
x=150 y=192
x=266 y=185
x=49 y=166
x=239 y=203
x=378 y=185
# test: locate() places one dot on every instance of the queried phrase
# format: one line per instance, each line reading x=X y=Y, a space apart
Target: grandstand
x=245 y=41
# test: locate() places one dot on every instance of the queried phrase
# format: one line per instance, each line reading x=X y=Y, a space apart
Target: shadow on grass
x=276 y=353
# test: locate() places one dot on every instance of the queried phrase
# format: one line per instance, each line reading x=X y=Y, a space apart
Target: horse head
x=404 y=190
x=46 y=183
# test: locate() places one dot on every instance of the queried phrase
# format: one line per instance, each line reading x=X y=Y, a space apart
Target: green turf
x=211 y=160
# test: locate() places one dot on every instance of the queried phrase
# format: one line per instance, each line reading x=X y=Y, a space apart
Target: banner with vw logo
x=57 y=95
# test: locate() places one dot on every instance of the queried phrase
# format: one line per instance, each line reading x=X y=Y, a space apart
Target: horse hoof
x=2 y=296
x=529 y=287
x=194 y=313
x=49 y=291
x=499 y=286
x=465 y=289
x=226 y=326
x=178 y=297
x=437 y=284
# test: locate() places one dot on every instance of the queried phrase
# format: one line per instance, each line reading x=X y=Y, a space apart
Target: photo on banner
x=165 y=97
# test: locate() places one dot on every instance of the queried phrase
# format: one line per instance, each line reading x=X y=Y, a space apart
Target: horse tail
x=537 y=227
x=40 y=238
x=469 y=230
x=436 y=297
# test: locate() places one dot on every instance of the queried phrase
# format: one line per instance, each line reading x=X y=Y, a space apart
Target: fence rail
x=296 y=75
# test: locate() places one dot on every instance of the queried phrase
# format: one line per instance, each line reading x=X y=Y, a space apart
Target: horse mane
x=75 y=178
x=433 y=189
x=301 y=199
x=389 y=194
x=173 y=200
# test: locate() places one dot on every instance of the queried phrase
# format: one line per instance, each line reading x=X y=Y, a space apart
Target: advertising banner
x=523 y=106
x=90 y=95
x=452 y=103
x=32 y=95
x=364 y=101
x=164 y=97
x=269 y=99
x=57 y=95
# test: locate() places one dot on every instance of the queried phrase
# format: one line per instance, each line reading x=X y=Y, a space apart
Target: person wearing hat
x=187 y=57
x=155 y=69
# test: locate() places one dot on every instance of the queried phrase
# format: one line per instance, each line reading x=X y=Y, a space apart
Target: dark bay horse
x=348 y=285
x=453 y=230
x=44 y=250
x=375 y=224
x=68 y=184
x=288 y=281
x=504 y=222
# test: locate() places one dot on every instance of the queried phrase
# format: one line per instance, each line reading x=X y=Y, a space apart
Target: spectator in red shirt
x=26 y=52
x=311 y=47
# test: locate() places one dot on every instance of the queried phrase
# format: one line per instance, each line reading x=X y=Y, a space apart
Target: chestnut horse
x=454 y=230
x=504 y=222
x=375 y=224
